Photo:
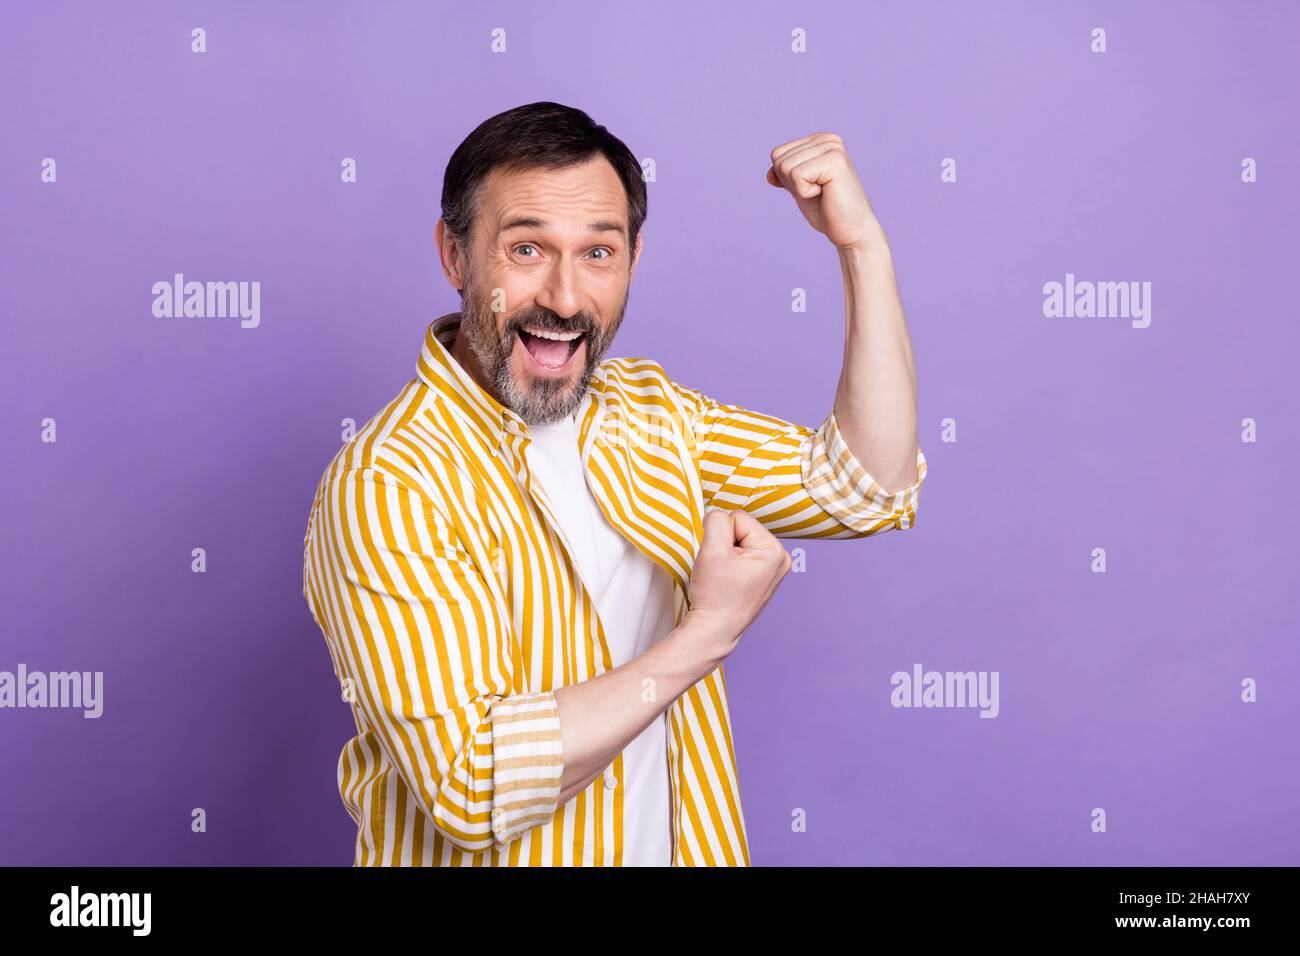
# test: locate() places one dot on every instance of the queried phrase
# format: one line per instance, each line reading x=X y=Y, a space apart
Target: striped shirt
x=453 y=608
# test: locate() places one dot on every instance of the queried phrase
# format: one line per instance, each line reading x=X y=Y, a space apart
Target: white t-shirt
x=634 y=600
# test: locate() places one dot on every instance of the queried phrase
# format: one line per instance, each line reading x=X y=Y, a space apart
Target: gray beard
x=544 y=401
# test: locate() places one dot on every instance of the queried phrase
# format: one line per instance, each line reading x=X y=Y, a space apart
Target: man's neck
x=461 y=352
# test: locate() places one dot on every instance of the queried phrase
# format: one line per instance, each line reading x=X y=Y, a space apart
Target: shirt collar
x=468 y=400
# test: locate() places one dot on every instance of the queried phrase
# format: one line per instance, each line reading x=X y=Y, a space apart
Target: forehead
x=571 y=197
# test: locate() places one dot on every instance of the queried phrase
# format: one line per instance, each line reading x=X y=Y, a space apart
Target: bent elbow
x=454 y=826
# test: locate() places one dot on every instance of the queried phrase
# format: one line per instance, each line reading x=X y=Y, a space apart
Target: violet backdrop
x=1119 y=690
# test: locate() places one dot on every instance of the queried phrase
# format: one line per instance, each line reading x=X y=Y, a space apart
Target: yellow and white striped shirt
x=453 y=609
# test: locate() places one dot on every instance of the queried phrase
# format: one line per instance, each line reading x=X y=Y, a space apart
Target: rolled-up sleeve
x=426 y=642
x=526 y=761
x=800 y=482
x=836 y=480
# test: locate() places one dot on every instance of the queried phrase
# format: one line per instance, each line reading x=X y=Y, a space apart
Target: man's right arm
x=739 y=565
x=414 y=629
x=601 y=716
x=409 y=617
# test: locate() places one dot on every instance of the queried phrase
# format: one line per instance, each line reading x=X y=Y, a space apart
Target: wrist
x=872 y=245
x=696 y=647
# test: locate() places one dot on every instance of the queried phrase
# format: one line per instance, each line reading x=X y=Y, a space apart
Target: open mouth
x=550 y=353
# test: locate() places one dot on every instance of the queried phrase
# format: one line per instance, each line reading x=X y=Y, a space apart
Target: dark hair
x=538 y=135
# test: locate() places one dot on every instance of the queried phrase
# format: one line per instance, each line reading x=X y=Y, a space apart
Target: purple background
x=1118 y=690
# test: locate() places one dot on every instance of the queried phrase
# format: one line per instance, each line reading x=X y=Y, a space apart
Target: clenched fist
x=737 y=570
x=817 y=172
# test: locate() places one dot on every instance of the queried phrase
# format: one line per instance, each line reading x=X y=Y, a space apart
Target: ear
x=636 y=254
x=450 y=255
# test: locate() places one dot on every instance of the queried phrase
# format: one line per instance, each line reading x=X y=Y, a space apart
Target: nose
x=559 y=292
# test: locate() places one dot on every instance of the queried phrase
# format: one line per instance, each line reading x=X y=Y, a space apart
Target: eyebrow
x=532 y=222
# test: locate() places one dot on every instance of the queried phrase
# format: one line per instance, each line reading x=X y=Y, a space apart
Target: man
x=530 y=565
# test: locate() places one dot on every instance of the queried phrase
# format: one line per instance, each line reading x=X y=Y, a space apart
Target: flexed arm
x=875 y=402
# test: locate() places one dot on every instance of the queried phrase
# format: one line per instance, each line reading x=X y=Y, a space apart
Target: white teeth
x=554 y=336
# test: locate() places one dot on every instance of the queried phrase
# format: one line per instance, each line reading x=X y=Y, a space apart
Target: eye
x=525 y=245
x=605 y=250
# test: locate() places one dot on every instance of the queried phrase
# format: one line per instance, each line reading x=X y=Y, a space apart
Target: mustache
x=548 y=321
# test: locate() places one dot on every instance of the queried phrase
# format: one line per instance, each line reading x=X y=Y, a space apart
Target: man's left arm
x=799 y=482
x=863 y=466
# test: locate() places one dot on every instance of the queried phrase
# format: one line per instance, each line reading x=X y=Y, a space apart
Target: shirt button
x=611 y=781
x=498 y=820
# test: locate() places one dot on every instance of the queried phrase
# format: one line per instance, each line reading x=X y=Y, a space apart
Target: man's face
x=548 y=255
